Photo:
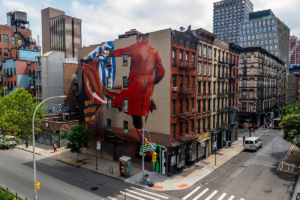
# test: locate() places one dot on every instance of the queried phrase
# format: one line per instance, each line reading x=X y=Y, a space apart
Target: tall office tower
x=294 y=50
x=228 y=14
x=60 y=32
x=265 y=30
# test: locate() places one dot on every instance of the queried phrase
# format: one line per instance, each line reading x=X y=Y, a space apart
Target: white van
x=252 y=143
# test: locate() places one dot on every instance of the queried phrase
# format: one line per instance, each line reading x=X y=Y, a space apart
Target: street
x=249 y=175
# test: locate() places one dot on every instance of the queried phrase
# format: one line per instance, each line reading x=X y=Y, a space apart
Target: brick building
x=19 y=70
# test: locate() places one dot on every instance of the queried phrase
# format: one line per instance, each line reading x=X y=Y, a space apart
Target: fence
x=10 y=195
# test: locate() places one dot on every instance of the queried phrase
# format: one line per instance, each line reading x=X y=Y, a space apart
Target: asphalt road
x=249 y=175
x=60 y=181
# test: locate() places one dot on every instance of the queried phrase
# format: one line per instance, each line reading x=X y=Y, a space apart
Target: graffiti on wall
x=57 y=108
x=136 y=97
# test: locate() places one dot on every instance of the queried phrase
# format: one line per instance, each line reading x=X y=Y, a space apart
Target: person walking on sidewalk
x=54 y=146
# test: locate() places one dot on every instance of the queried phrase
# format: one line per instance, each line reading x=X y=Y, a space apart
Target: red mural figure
x=146 y=70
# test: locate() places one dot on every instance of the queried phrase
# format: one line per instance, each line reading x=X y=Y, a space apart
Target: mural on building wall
x=146 y=70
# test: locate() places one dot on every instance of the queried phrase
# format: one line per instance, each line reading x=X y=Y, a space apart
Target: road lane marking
x=150 y=193
x=190 y=194
x=141 y=194
x=132 y=195
x=231 y=197
x=202 y=193
x=112 y=198
x=222 y=197
x=212 y=194
x=242 y=199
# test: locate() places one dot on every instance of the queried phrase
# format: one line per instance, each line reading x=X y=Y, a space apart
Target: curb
x=75 y=166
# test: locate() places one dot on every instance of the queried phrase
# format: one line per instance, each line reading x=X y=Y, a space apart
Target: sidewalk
x=185 y=179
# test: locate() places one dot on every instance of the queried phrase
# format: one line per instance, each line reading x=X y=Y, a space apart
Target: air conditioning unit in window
x=125 y=109
x=175 y=89
x=125 y=131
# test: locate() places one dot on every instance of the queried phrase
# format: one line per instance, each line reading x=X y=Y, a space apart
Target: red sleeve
x=120 y=52
x=159 y=70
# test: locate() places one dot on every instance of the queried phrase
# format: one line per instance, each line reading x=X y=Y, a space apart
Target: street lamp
x=227 y=106
x=33 y=144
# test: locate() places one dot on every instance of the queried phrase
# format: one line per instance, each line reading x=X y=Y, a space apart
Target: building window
x=108 y=123
x=192 y=104
x=125 y=104
x=209 y=53
x=174 y=108
x=244 y=107
x=192 y=125
x=204 y=70
x=186 y=127
x=109 y=84
x=180 y=57
x=6 y=52
x=200 y=50
x=108 y=103
x=124 y=82
x=15 y=83
x=125 y=126
x=209 y=69
x=198 y=126
x=203 y=124
x=5 y=37
x=244 y=71
x=180 y=106
x=180 y=128
x=215 y=54
x=204 y=105
x=13 y=40
x=199 y=68
x=244 y=83
x=173 y=131
x=174 y=81
x=187 y=105
x=0 y=52
x=125 y=60
x=204 y=52
x=174 y=57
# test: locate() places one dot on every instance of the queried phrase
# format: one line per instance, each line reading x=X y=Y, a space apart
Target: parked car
x=252 y=143
x=9 y=141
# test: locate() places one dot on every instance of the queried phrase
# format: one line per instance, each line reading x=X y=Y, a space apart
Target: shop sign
x=202 y=144
x=203 y=136
x=245 y=126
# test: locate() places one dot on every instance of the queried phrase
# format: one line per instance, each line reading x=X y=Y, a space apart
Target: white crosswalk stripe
x=112 y=198
x=150 y=193
x=190 y=194
x=231 y=197
x=202 y=193
x=222 y=197
x=132 y=196
x=143 y=195
x=212 y=195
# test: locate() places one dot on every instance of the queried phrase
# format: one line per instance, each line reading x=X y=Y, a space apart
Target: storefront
x=203 y=144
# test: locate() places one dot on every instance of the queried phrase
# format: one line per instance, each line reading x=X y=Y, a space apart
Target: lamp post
x=33 y=144
x=227 y=106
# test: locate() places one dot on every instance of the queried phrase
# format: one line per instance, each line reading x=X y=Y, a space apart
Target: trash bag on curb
x=150 y=184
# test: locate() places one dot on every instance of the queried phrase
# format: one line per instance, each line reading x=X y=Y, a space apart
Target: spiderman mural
x=146 y=70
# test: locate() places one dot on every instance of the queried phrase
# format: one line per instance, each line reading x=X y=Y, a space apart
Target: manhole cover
x=94 y=188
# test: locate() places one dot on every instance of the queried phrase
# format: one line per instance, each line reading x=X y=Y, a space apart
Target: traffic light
x=145 y=142
x=154 y=157
x=37 y=186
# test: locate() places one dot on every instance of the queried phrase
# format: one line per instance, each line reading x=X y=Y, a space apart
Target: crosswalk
x=207 y=194
x=137 y=194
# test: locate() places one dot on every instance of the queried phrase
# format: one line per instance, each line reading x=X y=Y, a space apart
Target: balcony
x=39 y=81
x=187 y=89
x=223 y=94
x=38 y=68
x=8 y=74
x=186 y=114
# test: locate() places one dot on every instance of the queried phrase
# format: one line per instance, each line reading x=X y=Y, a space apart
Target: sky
x=104 y=20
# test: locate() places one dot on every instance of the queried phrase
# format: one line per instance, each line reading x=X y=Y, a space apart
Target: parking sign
x=98 y=145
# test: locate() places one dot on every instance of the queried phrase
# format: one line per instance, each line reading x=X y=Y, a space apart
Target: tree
x=290 y=125
x=16 y=111
x=78 y=138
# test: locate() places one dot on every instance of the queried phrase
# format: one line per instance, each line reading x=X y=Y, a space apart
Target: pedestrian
x=54 y=146
x=26 y=143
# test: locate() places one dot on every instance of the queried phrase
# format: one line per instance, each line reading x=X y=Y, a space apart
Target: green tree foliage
x=78 y=138
x=16 y=111
x=290 y=123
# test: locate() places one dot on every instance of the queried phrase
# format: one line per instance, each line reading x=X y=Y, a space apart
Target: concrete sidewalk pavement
x=185 y=179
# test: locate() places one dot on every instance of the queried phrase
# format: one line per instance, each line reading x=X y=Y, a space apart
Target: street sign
x=144 y=149
x=215 y=145
x=98 y=145
x=202 y=144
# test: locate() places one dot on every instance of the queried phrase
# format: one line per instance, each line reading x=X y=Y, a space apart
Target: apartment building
x=265 y=30
x=262 y=86
x=60 y=32
x=19 y=70
x=165 y=105
x=16 y=34
x=290 y=88
x=294 y=50
x=227 y=16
